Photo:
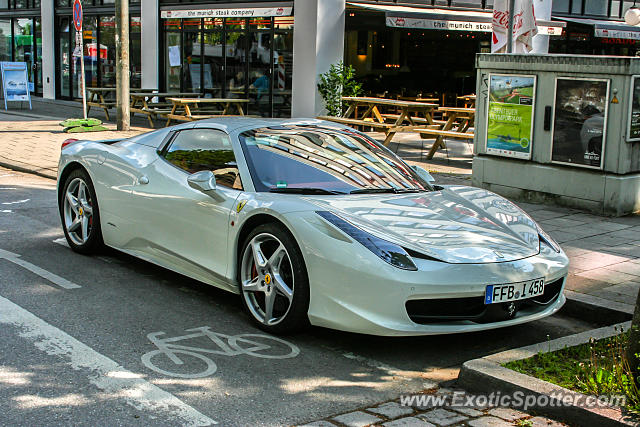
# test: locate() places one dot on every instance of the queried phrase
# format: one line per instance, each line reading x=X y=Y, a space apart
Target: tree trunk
x=633 y=347
x=122 y=65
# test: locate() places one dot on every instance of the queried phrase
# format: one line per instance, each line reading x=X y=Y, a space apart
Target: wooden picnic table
x=469 y=100
x=142 y=103
x=182 y=108
x=96 y=99
x=461 y=117
x=407 y=120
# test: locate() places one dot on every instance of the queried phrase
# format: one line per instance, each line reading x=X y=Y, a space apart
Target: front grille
x=551 y=292
x=425 y=311
x=438 y=310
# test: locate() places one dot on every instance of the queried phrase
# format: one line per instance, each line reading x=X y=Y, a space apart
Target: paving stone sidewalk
x=396 y=414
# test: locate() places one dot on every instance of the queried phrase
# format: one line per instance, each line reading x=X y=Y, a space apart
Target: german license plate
x=495 y=294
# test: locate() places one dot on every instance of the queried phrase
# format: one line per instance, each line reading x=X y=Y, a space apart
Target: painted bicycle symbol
x=256 y=345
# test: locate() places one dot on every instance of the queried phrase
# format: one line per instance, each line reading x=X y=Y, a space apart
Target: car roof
x=231 y=124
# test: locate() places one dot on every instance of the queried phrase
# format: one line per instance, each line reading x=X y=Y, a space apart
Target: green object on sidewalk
x=69 y=123
x=82 y=125
x=80 y=129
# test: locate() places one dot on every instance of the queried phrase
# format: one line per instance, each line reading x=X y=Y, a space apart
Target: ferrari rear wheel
x=79 y=213
x=273 y=280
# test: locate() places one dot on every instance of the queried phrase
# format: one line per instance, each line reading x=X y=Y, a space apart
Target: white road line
x=104 y=373
x=16 y=202
x=53 y=278
x=6 y=211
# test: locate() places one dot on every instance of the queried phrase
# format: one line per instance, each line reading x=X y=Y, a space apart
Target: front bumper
x=354 y=290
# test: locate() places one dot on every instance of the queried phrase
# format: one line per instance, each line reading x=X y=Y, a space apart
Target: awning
x=231 y=10
x=446 y=19
x=607 y=29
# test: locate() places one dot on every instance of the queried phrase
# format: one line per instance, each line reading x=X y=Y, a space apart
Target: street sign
x=77 y=15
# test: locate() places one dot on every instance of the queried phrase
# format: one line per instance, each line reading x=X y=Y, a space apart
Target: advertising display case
x=584 y=127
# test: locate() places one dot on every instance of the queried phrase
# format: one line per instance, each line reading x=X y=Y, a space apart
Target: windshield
x=324 y=160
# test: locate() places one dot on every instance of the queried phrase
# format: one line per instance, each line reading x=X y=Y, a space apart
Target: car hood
x=456 y=224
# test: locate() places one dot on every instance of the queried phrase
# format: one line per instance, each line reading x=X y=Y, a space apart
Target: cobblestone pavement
x=395 y=414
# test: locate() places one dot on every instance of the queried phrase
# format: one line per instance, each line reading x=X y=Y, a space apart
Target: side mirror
x=204 y=181
x=424 y=174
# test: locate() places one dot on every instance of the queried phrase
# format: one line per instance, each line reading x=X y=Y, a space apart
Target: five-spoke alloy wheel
x=79 y=212
x=273 y=280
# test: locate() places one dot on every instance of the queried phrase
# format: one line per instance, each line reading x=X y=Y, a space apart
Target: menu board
x=15 y=82
x=579 y=121
x=633 y=129
x=510 y=118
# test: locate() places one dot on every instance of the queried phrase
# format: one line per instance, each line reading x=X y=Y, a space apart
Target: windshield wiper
x=303 y=190
x=384 y=190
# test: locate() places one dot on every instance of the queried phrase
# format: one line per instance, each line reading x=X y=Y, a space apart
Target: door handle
x=144 y=180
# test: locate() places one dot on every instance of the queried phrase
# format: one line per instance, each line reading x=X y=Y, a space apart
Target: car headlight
x=547 y=240
x=387 y=251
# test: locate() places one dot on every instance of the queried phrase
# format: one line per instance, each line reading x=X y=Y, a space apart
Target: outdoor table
x=461 y=117
x=96 y=99
x=182 y=108
x=408 y=119
x=141 y=103
x=469 y=100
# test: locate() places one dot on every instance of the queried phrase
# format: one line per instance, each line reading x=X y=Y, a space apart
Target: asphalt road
x=73 y=340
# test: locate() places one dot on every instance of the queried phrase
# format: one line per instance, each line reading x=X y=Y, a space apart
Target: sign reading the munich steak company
x=510 y=115
x=633 y=128
x=250 y=12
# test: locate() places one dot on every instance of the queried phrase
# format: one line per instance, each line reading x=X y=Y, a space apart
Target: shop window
x=5 y=40
x=596 y=7
x=561 y=6
x=108 y=51
x=62 y=3
x=21 y=4
x=382 y=49
x=135 y=52
x=283 y=23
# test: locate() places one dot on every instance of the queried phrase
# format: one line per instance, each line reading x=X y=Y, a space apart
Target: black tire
x=94 y=242
x=296 y=319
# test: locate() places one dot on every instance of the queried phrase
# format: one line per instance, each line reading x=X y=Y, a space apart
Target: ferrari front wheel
x=273 y=280
x=79 y=213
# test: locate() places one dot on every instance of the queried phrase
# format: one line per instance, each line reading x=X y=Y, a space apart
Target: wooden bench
x=356 y=122
x=445 y=133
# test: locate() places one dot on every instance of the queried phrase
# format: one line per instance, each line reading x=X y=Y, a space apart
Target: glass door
x=191 y=56
x=64 y=58
x=38 y=56
x=23 y=47
x=213 y=58
x=173 y=60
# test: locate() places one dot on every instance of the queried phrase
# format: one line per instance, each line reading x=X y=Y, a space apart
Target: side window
x=195 y=150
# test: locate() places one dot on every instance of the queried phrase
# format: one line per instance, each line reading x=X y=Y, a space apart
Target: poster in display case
x=633 y=126
x=579 y=121
x=510 y=118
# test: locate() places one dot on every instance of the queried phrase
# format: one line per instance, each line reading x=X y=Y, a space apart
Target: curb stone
x=486 y=375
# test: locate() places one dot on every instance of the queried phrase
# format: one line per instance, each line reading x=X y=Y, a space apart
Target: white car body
x=468 y=237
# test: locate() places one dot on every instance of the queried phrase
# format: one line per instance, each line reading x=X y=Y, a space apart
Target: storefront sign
x=633 y=127
x=15 y=82
x=579 y=122
x=228 y=13
x=617 y=34
x=439 y=24
x=510 y=118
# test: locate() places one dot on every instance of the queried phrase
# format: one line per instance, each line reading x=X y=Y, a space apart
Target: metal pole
x=512 y=5
x=122 y=65
x=83 y=83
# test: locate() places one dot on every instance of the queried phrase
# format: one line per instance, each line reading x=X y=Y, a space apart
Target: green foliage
x=339 y=81
x=597 y=368
x=524 y=423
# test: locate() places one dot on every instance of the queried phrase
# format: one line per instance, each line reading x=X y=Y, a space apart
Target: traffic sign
x=77 y=15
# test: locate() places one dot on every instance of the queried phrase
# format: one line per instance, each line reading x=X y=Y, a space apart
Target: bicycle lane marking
x=53 y=278
x=168 y=347
x=104 y=373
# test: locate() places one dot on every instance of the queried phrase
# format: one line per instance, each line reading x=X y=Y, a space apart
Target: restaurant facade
x=270 y=51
